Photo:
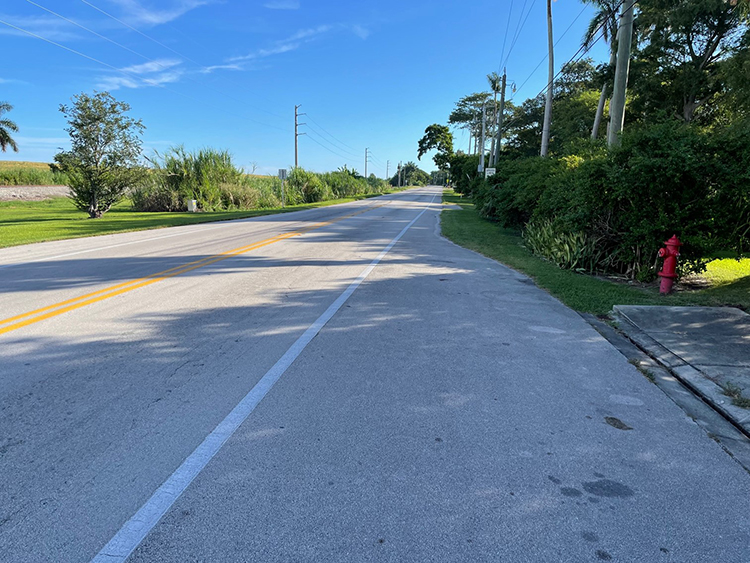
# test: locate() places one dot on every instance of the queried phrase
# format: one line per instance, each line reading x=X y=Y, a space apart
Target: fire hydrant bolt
x=669 y=269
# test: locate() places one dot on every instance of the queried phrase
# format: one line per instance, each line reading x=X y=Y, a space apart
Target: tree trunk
x=603 y=97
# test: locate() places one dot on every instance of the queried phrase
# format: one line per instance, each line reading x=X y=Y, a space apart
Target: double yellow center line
x=25 y=319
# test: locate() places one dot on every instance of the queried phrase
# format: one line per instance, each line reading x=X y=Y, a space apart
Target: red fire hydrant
x=669 y=269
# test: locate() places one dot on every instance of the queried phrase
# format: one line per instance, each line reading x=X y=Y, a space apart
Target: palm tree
x=495 y=81
x=604 y=20
x=6 y=125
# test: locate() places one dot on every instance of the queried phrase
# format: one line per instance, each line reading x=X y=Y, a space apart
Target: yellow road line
x=50 y=311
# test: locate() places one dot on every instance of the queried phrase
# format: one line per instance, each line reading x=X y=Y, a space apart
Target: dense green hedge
x=664 y=179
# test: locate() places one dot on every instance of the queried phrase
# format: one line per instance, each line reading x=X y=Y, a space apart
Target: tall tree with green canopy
x=103 y=161
x=6 y=128
x=468 y=114
x=439 y=138
x=686 y=41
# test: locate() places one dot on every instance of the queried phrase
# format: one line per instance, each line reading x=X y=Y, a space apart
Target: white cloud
x=42 y=141
x=291 y=43
x=282 y=5
x=12 y=81
x=361 y=32
x=152 y=73
x=152 y=66
x=48 y=27
x=212 y=68
x=137 y=13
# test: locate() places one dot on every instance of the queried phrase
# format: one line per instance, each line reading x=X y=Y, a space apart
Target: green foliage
x=103 y=162
x=31 y=176
x=464 y=172
x=6 y=128
x=411 y=175
x=210 y=177
x=578 y=251
x=665 y=179
x=439 y=138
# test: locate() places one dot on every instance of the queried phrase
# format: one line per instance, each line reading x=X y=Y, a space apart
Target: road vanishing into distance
x=337 y=385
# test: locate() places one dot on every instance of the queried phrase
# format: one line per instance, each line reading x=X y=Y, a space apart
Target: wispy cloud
x=152 y=66
x=361 y=32
x=291 y=43
x=282 y=5
x=212 y=68
x=12 y=81
x=152 y=73
x=42 y=141
x=48 y=27
x=137 y=13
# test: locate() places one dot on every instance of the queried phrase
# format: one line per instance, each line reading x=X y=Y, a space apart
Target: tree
x=103 y=161
x=6 y=127
x=468 y=114
x=686 y=40
x=604 y=21
x=440 y=138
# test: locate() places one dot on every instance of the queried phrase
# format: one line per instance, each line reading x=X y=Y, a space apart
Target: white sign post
x=282 y=176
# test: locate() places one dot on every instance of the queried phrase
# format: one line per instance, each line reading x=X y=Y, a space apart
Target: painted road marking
x=119 y=548
x=37 y=315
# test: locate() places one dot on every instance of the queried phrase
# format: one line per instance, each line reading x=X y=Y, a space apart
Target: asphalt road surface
x=280 y=389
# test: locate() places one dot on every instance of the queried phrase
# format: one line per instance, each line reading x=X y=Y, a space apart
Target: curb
x=692 y=378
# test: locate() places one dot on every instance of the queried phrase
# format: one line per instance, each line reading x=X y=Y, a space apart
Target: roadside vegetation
x=25 y=222
x=604 y=207
x=17 y=173
x=729 y=279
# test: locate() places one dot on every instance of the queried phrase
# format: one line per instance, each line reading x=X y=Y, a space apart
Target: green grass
x=583 y=293
x=24 y=222
x=20 y=173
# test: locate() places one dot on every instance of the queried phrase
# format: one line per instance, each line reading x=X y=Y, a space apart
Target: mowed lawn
x=729 y=278
x=24 y=222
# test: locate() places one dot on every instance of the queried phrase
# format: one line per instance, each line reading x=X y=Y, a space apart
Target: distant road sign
x=282 y=173
x=489 y=172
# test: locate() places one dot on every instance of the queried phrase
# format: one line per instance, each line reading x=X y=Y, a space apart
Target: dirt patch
x=30 y=193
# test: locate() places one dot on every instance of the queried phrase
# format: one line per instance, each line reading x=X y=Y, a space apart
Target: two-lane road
x=284 y=389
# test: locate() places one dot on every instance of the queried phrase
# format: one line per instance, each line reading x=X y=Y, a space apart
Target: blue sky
x=227 y=73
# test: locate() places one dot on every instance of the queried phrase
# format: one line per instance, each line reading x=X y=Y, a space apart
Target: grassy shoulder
x=25 y=222
x=730 y=279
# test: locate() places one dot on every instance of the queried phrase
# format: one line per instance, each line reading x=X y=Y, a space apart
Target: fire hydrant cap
x=674 y=241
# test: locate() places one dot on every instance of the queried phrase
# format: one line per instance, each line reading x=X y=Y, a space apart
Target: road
x=281 y=389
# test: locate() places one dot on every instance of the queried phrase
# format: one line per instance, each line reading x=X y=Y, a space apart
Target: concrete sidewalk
x=707 y=348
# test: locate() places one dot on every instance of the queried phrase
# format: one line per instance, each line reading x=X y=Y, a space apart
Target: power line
x=330 y=135
x=203 y=67
x=125 y=72
x=333 y=152
x=579 y=54
x=334 y=145
x=507 y=27
x=519 y=28
x=555 y=45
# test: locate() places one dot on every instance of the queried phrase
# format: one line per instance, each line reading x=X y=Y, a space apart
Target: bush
x=664 y=179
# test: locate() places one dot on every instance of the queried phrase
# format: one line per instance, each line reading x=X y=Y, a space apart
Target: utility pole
x=548 y=103
x=366 y=162
x=617 y=103
x=480 y=168
x=399 y=174
x=297 y=134
x=387 y=170
x=499 y=124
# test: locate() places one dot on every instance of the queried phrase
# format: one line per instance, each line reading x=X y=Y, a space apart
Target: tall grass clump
x=31 y=174
x=210 y=177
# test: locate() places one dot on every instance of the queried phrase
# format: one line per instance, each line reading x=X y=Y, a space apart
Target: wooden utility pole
x=617 y=103
x=548 y=103
x=366 y=162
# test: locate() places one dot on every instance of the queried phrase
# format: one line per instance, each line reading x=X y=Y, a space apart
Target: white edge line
x=132 y=533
